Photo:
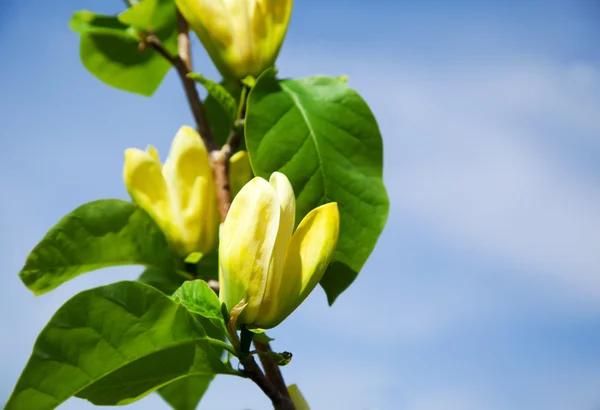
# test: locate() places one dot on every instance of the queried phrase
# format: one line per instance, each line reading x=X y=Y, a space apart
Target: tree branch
x=279 y=400
x=272 y=370
x=221 y=158
x=182 y=64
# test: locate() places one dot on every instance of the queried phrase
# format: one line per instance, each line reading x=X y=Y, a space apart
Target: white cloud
x=474 y=167
x=474 y=153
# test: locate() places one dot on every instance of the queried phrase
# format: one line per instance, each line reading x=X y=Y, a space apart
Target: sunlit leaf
x=108 y=232
x=322 y=135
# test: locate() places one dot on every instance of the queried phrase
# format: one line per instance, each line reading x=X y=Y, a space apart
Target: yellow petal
x=287 y=204
x=146 y=185
x=246 y=245
x=240 y=172
x=307 y=257
x=153 y=153
x=189 y=177
x=242 y=37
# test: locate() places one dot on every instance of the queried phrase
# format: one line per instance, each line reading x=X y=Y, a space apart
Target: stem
x=272 y=370
x=279 y=400
x=221 y=158
x=183 y=65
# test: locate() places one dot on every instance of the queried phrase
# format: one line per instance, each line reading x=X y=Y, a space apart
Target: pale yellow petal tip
x=331 y=210
x=135 y=157
x=254 y=186
x=282 y=186
x=239 y=156
x=277 y=177
x=333 y=216
x=153 y=153
x=131 y=153
x=187 y=136
x=240 y=172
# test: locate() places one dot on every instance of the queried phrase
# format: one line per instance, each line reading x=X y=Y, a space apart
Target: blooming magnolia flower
x=242 y=37
x=180 y=196
x=263 y=262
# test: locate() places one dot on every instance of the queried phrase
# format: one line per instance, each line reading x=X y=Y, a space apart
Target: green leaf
x=111 y=51
x=150 y=15
x=116 y=59
x=85 y=20
x=113 y=345
x=219 y=93
x=282 y=359
x=98 y=234
x=221 y=120
x=323 y=136
x=185 y=394
x=200 y=299
x=167 y=281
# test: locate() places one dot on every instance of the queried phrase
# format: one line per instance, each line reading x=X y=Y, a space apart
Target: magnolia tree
x=276 y=189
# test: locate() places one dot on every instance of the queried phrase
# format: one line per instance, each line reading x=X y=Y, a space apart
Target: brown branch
x=272 y=370
x=183 y=42
x=182 y=64
x=279 y=400
x=221 y=159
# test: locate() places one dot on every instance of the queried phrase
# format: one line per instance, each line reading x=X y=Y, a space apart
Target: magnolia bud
x=263 y=261
x=242 y=37
x=180 y=196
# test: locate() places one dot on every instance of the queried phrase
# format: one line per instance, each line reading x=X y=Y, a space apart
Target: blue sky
x=484 y=290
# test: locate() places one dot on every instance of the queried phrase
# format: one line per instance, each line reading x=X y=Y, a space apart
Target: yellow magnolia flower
x=242 y=37
x=180 y=196
x=262 y=261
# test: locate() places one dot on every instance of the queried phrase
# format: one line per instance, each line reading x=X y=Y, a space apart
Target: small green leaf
x=111 y=51
x=98 y=234
x=193 y=257
x=186 y=393
x=281 y=359
x=113 y=345
x=200 y=299
x=221 y=121
x=219 y=93
x=150 y=14
x=322 y=135
x=116 y=59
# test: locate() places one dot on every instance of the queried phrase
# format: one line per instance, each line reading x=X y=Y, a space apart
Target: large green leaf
x=98 y=234
x=113 y=345
x=323 y=136
x=185 y=394
x=111 y=51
